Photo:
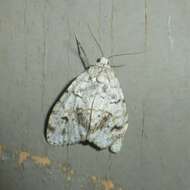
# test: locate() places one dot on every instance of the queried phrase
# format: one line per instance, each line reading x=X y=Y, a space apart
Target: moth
x=92 y=109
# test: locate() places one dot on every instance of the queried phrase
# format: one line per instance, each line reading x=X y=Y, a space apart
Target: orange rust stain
x=23 y=156
x=2 y=148
x=41 y=160
x=107 y=184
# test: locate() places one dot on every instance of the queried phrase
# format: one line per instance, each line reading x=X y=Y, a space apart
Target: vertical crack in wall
x=25 y=39
x=44 y=25
x=170 y=37
x=68 y=48
x=145 y=49
x=99 y=19
x=112 y=27
x=142 y=136
x=142 y=129
x=25 y=77
x=109 y=165
x=145 y=24
x=143 y=122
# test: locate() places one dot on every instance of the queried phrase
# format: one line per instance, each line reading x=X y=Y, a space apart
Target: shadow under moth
x=92 y=109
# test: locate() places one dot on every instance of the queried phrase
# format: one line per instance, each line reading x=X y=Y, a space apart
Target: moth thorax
x=102 y=61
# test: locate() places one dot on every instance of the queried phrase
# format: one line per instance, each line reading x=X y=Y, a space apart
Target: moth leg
x=118 y=134
x=82 y=54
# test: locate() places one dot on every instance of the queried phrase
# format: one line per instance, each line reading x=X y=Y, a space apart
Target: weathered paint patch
x=41 y=160
x=107 y=184
x=94 y=179
x=23 y=156
x=2 y=149
x=67 y=170
x=104 y=184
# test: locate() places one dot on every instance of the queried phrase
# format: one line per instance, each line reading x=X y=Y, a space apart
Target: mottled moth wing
x=91 y=109
x=64 y=124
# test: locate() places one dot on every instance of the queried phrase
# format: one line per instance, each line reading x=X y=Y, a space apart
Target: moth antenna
x=82 y=54
x=96 y=41
x=123 y=54
x=117 y=66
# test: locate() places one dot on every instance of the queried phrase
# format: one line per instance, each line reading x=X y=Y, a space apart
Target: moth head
x=102 y=61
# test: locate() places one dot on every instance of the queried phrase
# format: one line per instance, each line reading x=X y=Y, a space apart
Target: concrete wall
x=38 y=58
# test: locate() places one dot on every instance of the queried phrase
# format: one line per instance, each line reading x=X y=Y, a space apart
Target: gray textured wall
x=37 y=59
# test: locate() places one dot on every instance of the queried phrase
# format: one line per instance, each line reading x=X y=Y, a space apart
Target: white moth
x=92 y=109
